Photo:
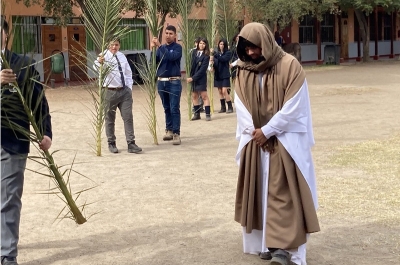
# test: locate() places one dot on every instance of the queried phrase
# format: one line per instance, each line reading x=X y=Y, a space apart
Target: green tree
x=61 y=10
x=283 y=12
x=362 y=9
x=164 y=8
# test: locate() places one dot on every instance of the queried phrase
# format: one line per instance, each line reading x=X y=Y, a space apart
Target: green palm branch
x=148 y=71
x=10 y=108
x=187 y=27
x=228 y=11
x=149 y=77
x=211 y=30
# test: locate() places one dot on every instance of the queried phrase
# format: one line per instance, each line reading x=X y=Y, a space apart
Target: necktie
x=198 y=54
x=120 y=72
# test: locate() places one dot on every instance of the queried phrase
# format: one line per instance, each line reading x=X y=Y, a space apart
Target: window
x=26 y=35
x=306 y=30
x=327 y=28
x=135 y=39
x=387 y=26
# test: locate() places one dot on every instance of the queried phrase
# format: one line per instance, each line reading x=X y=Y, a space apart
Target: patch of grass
x=369 y=187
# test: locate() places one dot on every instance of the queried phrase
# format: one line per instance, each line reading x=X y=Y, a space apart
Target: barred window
x=387 y=26
x=327 y=28
x=26 y=35
x=306 y=30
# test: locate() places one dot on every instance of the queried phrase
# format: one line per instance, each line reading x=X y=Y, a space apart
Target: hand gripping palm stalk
x=36 y=136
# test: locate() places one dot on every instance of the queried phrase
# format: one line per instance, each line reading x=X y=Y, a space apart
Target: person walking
x=118 y=84
x=168 y=58
x=276 y=196
x=14 y=143
x=198 y=78
x=220 y=59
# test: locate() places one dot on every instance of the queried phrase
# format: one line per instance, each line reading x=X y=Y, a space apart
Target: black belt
x=114 y=88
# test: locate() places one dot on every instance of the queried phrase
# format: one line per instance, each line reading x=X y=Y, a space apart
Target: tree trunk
x=364 y=31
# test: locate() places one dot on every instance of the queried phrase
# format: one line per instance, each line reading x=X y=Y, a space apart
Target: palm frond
x=148 y=70
x=211 y=36
x=187 y=27
x=27 y=98
x=227 y=21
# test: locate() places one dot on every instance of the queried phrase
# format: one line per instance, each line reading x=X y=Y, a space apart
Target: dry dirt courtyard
x=173 y=205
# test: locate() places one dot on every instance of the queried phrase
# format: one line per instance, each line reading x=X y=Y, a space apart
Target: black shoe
x=265 y=255
x=196 y=116
x=8 y=261
x=222 y=110
x=133 y=148
x=280 y=257
x=113 y=148
x=230 y=110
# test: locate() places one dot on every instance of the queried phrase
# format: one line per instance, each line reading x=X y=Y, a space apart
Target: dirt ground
x=174 y=205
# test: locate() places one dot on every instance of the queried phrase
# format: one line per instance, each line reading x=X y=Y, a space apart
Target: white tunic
x=292 y=125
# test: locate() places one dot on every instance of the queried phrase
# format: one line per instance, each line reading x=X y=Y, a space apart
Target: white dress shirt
x=113 y=78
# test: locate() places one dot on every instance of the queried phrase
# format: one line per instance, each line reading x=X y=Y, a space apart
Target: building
x=36 y=34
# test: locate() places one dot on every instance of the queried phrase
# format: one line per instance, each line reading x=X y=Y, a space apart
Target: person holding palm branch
x=198 y=73
x=14 y=141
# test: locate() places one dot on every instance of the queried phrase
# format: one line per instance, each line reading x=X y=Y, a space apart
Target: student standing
x=221 y=58
x=118 y=84
x=168 y=58
x=198 y=73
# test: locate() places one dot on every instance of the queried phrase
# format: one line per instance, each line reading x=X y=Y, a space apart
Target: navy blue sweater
x=12 y=110
x=199 y=69
x=168 y=58
x=221 y=65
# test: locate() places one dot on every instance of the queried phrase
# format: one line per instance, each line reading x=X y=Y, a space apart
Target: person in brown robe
x=276 y=197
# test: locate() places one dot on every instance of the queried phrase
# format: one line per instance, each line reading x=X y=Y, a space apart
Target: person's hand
x=230 y=65
x=211 y=58
x=7 y=76
x=100 y=59
x=259 y=137
x=189 y=80
x=45 y=143
x=155 y=42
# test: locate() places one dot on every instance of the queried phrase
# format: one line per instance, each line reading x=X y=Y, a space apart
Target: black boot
x=230 y=108
x=208 y=113
x=196 y=113
x=223 y=107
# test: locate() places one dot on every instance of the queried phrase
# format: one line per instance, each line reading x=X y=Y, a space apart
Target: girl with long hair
x=221 y=58
x=198 y=78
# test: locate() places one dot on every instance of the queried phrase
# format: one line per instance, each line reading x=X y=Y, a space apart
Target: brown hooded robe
x=290 y=209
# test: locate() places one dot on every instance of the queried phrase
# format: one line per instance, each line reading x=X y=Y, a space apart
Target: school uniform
x=198 y=71
x=222 y=72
